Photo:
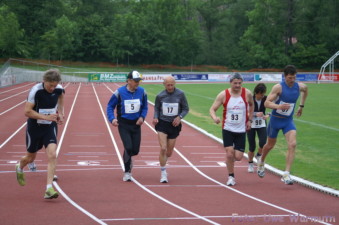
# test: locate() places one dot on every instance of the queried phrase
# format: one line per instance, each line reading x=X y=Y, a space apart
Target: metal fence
x=16 y=71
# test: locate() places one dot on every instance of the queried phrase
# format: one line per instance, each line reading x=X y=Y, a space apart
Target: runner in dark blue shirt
x=130 y=102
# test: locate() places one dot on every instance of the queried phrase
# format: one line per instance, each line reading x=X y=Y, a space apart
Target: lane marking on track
x=57 y=153
x=16 y=88
x=316 y=124
x=199 y=146
x=236 y=218
x=12 y=108
x=230 y=188
x=10 y=137
x=1 y=100
x=134 y=180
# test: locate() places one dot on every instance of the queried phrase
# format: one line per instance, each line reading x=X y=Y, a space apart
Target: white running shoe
x=250 y=168
x=261 y=169
x=32 y=166
x=127 y=177
x=231 y=181
x=163 y=178
x=287 y=179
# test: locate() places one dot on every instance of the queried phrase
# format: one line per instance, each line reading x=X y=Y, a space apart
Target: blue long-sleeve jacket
x=129 y=105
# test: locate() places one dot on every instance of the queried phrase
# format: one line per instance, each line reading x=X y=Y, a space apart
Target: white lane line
x=199 y=146
x=235 y=218
x=316 y=124
x=57 y=152
x=134 y=180
x=8 y=139
x=77 y=206
x=1 y=100
x=87 y=146
x=12 y=108
x=16 y=88
x=232 y=189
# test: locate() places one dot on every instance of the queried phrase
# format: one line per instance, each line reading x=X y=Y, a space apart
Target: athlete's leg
x=291 y=145
x=230 y=157
x=251 y=143
x=52 y=161
x=268 y=147
x=28 y=158
x=162 y=138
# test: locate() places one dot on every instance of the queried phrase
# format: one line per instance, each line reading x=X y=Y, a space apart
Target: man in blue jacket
x=131 y=104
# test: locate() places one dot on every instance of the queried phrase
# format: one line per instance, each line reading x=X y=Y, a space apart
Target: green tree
x=268 y=34
x=11 y=35
x=59 y=42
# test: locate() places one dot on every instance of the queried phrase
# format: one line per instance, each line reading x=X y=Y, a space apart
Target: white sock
x=287 y=173
x=48 y=186
x=163 y=169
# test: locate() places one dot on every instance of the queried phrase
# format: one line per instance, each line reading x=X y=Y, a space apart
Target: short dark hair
x=236 y=76
x=290 y=69
x=260 y=88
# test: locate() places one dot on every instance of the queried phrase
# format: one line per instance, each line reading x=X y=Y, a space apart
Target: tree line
x=233 y=33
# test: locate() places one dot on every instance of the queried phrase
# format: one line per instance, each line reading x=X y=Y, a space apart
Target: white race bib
x=258 y=122
x=235 y=116
x=170 y=109
x=132 y=106
x=46 y=112
x=285 y=112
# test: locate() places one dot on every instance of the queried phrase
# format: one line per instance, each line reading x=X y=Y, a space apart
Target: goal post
x=327 y=77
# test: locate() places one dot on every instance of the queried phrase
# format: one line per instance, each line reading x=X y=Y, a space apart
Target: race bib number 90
x=46 y=112
x=170 y=109
x=132 y=106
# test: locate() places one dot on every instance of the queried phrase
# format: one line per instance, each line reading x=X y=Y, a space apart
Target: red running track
x=90 y=175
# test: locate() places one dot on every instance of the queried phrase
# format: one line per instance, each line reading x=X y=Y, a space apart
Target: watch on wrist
x=301 y=106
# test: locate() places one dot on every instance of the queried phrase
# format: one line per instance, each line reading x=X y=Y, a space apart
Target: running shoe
x=231 y=181
x=32 y=166
x=127 y=177
x=163 y=178
x=261 y=169
x=287 y=179
x=250 y=168
x=51 y=193
x=20 y=176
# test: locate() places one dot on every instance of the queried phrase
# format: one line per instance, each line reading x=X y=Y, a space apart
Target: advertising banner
x=107 y=77
x=190 y=77
x=222 y=77
x=307 y=77
x=154 y=77
x=267 y=77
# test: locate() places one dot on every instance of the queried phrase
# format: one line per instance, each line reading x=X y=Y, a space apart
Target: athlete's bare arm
x=273 y=95
x=220 y=99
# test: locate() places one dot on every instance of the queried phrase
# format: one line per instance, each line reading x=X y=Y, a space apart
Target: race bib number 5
x=170 y=109
x=132 y=106
x=46 y=112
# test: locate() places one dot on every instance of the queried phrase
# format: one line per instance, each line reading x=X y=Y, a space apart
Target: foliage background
x=239 y=34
